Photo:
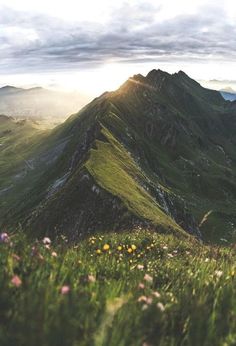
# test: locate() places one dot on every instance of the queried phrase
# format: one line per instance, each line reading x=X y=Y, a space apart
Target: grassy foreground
x=137 y=288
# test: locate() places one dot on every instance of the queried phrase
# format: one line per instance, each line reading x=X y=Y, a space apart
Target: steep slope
x=160 y=150
x=19 y=139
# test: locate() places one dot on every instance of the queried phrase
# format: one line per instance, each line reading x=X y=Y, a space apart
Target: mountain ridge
x=152 y=152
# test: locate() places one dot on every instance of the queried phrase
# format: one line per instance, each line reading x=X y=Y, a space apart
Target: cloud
x=134 y=33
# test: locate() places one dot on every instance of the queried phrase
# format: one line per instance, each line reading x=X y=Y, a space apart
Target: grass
x=115 y=171
x=20 y=142
x=163 y=291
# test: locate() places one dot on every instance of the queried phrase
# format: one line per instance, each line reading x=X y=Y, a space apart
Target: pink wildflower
x=4 y=238
x=156 y=294
x=141 y=286
x=16 y=281
x=149 y=300
x=148 y=278
x=65 y=289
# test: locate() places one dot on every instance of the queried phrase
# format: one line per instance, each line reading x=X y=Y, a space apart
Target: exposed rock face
x=160 y=150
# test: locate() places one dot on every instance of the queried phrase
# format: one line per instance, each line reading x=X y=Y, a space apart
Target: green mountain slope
x=19 y=140
x=159 y=151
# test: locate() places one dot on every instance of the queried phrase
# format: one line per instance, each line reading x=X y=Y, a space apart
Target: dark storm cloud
x=133 y=34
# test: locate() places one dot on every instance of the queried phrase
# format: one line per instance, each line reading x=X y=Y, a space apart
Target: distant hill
x=159 y=151
x=228 y=94
x=39 y=103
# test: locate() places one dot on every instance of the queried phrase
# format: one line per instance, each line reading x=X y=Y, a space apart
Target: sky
x=91 y=46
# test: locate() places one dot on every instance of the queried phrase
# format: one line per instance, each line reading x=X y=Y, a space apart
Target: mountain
x=39 y=103
x=228 y=94
x=17 y=139
x=159 y=151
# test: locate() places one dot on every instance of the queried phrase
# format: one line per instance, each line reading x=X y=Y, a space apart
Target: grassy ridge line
x=115 y=171
x=117 y=289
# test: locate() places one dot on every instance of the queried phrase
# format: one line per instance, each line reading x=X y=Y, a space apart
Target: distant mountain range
x=159 y=151
x=228 y=94
x=39 y=103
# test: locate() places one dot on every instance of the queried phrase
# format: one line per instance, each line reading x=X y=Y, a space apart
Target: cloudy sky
x=92 y=45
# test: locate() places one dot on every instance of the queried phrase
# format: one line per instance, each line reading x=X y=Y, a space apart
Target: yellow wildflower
x=106 y=247
x=130 y=250
x=98 y=251
x=119 y=248
x=133 y=247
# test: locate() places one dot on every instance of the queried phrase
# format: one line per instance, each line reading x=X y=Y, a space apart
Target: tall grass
x=137 y=288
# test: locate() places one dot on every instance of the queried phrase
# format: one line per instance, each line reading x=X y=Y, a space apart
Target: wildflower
x=98 y=251
x=16 y=281
x=40 y=257
x=218 y=273
x=91 y=278
x=160 y=306
x=46 y=241
x=130 y=250
x=54 y=254
x=65 y=289
x=148 y=278
x=207 y=260
x=47 y=246
x=142 y=299
x=119 y=248
x=106 y=247
x=133 y=247
x=156 y=294
x=149 y=300
x=144 y=307
x=165 y=247
x=140 y=266
x=4 y=238
x=141 y=286
x=16 y=257
x=34 y=251
x=170 y=255
x=92 y=241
